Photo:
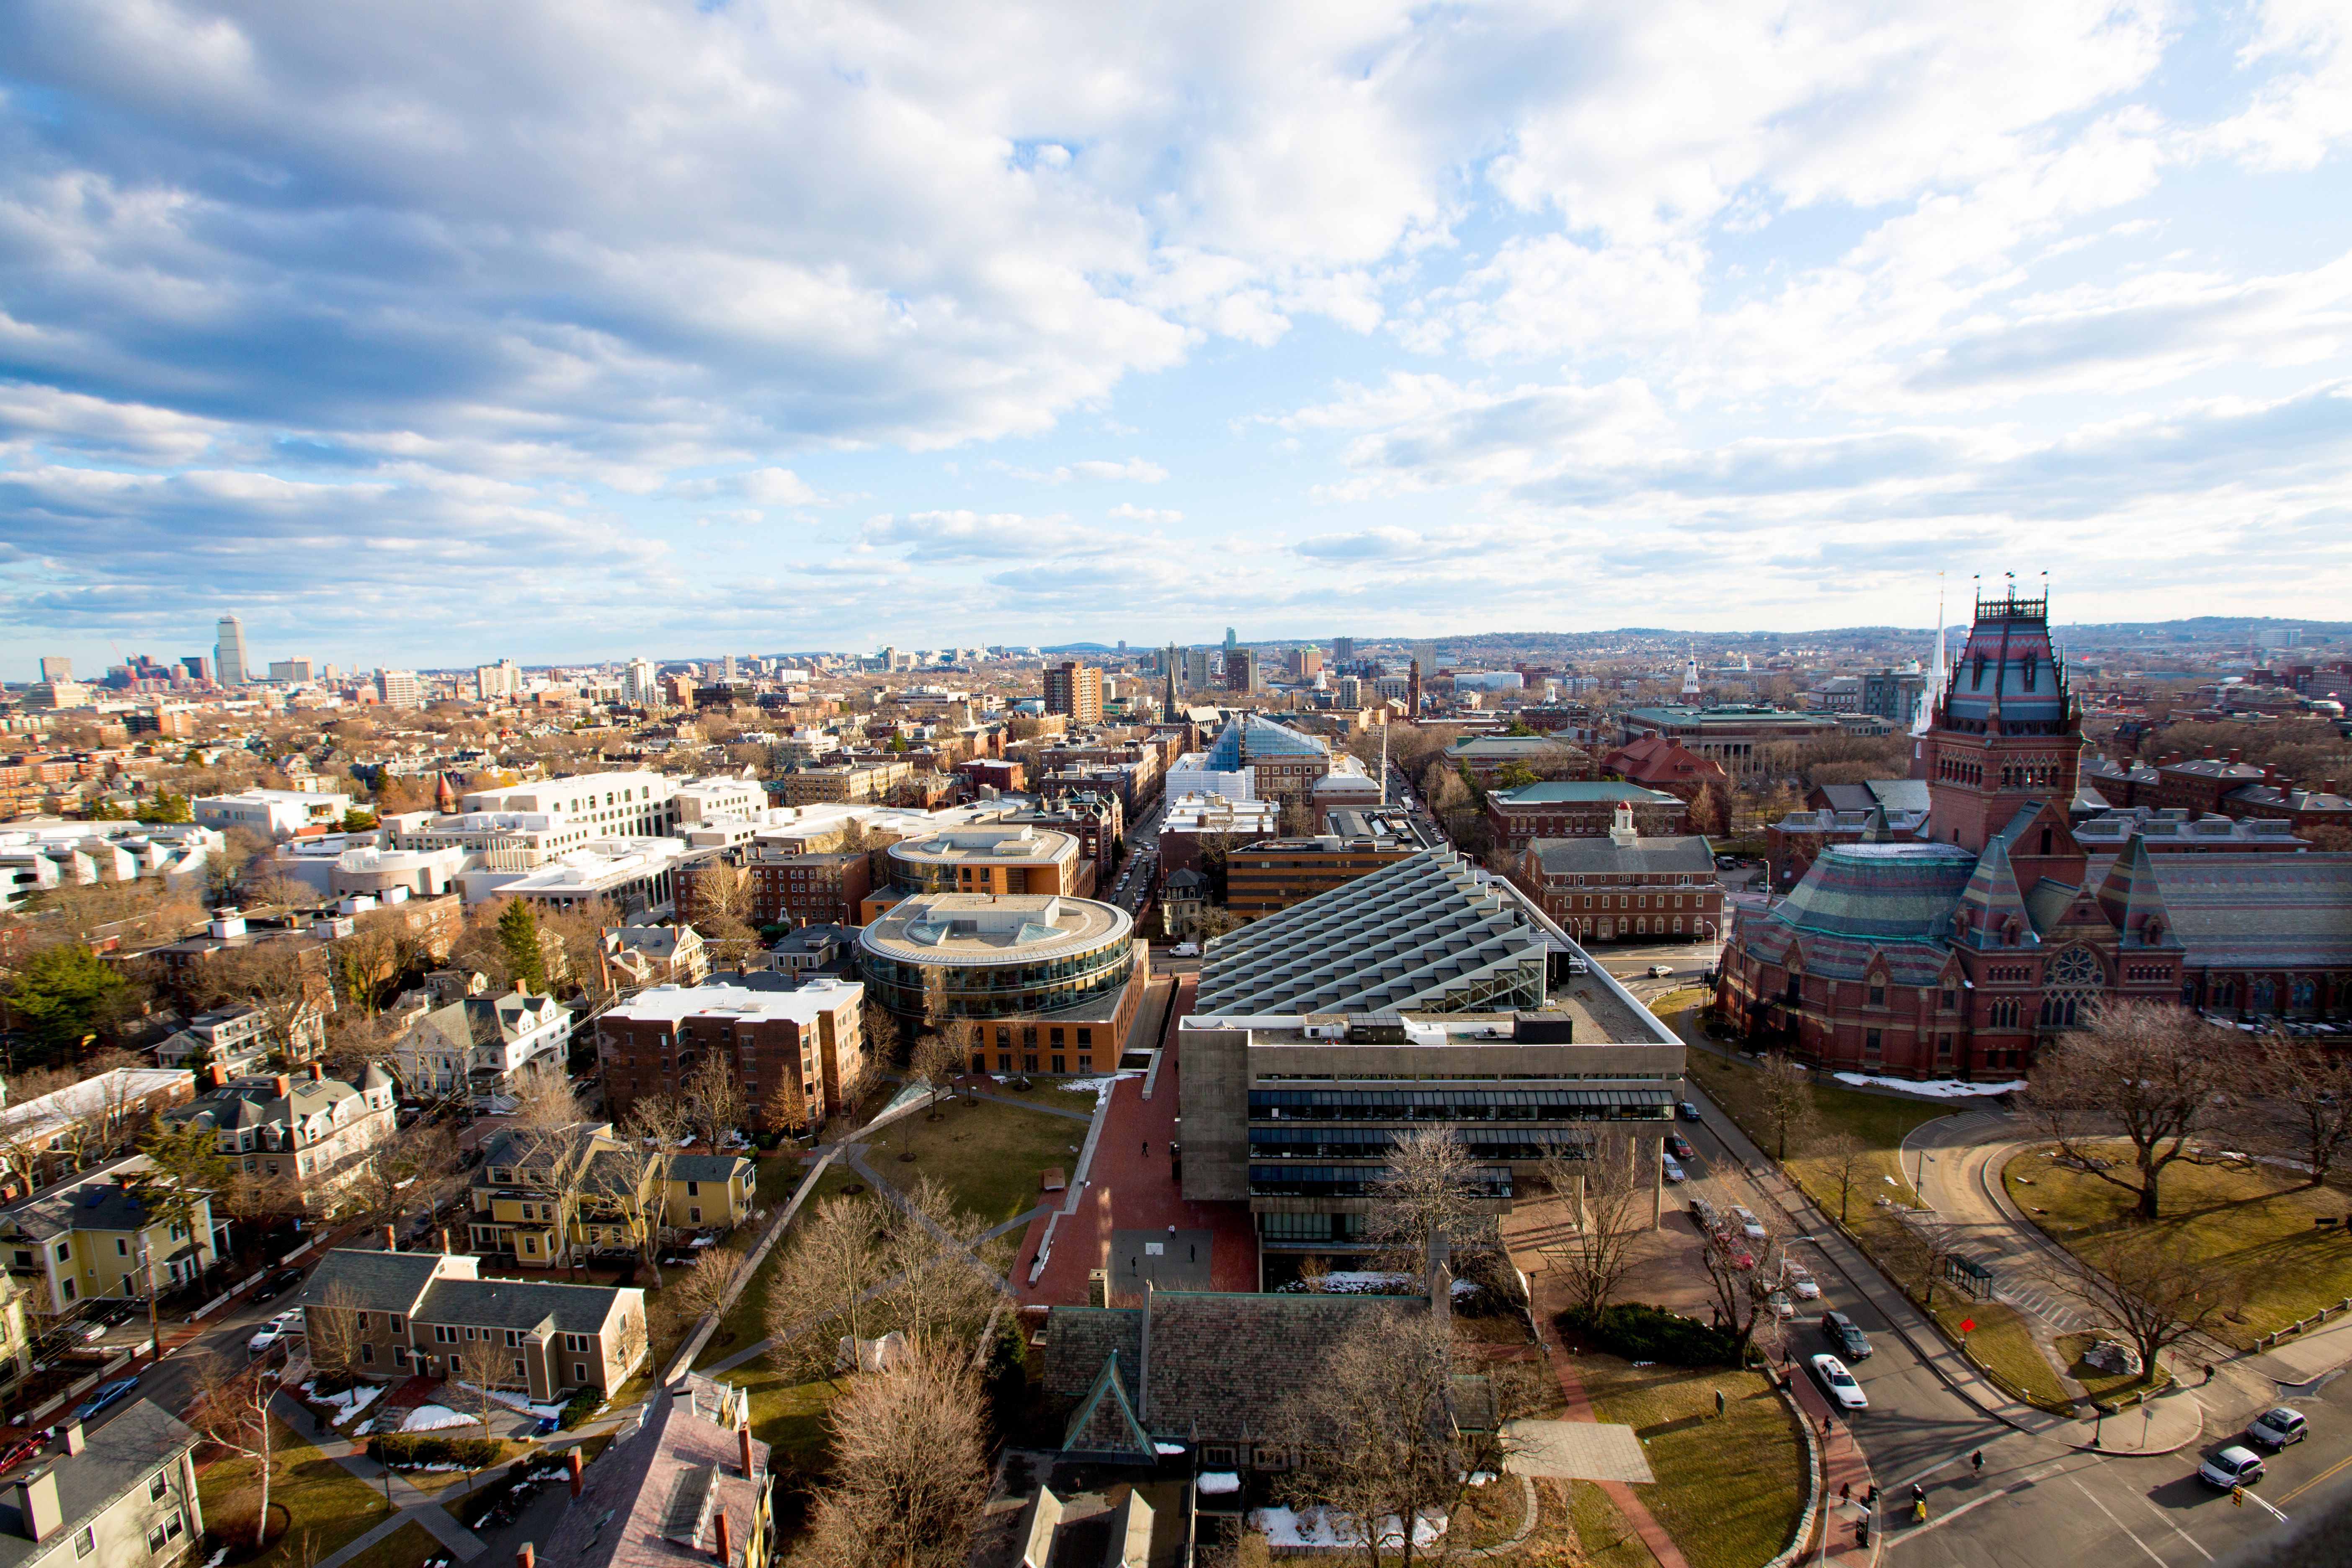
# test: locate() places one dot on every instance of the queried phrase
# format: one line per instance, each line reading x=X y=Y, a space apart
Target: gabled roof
x=1679 y=854
x=1105 y=1423
x=2132 y=899
x=624 y=1500
x=524 y=1304
x=379 y=1282
x=706 y=1167
x=120 y=1455
x=1992 y=899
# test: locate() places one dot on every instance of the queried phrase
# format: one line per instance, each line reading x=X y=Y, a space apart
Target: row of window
x=1357 y=1180
x=1374 y=1142
x=1463 y=1104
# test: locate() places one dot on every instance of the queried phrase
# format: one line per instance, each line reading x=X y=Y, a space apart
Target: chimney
x=216 y=1075
x=525 y=1557
x=318 y=1072
x=722 y=1549
x=2236 y=754
x=390 y=1239
x=445 y=1241
x=37 y=1503
x=743 y=1439
x=75 y=1441
x=572 y=1463
x=284 y=1085
x=2327 y=786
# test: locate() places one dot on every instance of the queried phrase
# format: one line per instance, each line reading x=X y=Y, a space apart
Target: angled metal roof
x=1422 y=934
x=1251 y=739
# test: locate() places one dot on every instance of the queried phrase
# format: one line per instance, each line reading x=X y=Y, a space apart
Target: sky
x=432 y=334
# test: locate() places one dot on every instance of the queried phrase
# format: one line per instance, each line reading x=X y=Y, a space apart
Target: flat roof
x=985 y=929
x=668 y=1004
x=1000 y=846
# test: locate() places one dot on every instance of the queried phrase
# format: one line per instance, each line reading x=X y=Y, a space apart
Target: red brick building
x=1663 y=762
x=1573 y=810
x=810 y=889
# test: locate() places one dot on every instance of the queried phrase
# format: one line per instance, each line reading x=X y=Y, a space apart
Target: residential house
x=55 y=1134
x=709 y=1192
x=481 y=1044
x=549 y=1199
x=691 y=1486
x=309 y=1135
x=431 y=1313
x=634 y=957
x=240 y=1039
x=96 y=1234
x=123 y=1493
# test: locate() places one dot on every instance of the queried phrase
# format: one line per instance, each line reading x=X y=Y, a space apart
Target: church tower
x=2007 y=735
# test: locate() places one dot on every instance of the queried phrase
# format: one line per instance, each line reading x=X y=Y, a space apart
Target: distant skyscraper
x=1343 y=650
x=1075 y=689
x=1242 y=673
x=399 y=689
x=726 y=669
x=1424 y=659
x=1196 y=670
x=290 y=670
x=55 y=667
x=1229 y=639
x=194 y=664
x=492 y=681
x=637 y=685
x=228 y=653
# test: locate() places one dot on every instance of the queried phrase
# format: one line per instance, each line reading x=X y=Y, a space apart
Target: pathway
x=1621 y=1494
x=409 y=1503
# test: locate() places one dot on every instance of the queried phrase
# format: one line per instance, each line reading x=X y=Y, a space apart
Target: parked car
x=87 y=1329
x=1749 y=1225
x=1838 y=1383
x=22 y=1448
x=1686 y=1111
x=1781 y=1307
x=278 y=1284
x=1186 y=950
x=1660 y=971
x=2233 y=1466
x=1679 y=1147
x=2278 y=1428
x=107 y=1393
x=285 y=1325
x=1850 y=1342
x=1736 y=1250
x=1800 y=1280
x=1673 y=1171
x=1703 y=1212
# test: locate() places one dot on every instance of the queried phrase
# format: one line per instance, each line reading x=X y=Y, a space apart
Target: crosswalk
x=2053 y=1306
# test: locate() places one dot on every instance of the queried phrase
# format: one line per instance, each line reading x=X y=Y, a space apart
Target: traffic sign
x=1968 y=1325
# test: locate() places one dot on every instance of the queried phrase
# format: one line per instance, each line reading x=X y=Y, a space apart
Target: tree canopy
x=63 y=995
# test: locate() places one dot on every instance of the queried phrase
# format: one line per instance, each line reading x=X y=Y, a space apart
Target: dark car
x=1686 y=1111
x=1679 y=1147
x=1850 y=1342
x=107 y=1393
x=278 y=1284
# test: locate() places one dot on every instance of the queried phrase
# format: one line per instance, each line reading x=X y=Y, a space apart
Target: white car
x=2233 y=1466
x=1661 y=970
x=283 y=1326
x=1749 y=1225
x=1839 y=1384
x=1186 y=950
x=1673 y=1171
x=1800 y=1280
x=1782 y=1308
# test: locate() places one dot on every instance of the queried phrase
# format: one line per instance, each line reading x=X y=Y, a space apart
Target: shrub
x=1641 y=1332
x=398 y=1448
x=582 y=1407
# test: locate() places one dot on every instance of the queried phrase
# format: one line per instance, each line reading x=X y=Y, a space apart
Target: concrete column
x=1658 y=1188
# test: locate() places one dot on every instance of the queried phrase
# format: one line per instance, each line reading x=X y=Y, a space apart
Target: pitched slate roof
x=706 y=1167
x=624 y=1496
x=382 y=1282
x=1674 y=853
x=2132 y=899
x=120 y=1455
x=522 y=1304
x=1105 y=1423
x=2259 y=910
x=1993 y=900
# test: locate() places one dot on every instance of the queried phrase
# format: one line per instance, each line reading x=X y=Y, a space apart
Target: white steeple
x=1621 y=826
x=1690 y=674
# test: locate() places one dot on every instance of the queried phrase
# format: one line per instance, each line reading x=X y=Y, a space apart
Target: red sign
x=1968 y=1325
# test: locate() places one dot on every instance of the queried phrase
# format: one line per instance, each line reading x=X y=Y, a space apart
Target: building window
x=400 y=1355
x=694 y=1189
x=1870 y=1042
x=367 y=1352
x=694 y=1216
x=443 y=1334
x=362 y=1320
x=158 y=1486
x=1029 y=1062
x=514 y=1338
x=1878 y=995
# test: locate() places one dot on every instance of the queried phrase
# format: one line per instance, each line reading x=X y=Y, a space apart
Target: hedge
x=398 y=1448
x=1641 y=1332
x=580 y=1410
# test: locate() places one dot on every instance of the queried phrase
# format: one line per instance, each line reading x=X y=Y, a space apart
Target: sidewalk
x=1621 y=1494
x=2308 y=1357
x=1845 y=1482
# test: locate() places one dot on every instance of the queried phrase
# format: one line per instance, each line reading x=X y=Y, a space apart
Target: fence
x=2264 y=1341
x=76 y=1389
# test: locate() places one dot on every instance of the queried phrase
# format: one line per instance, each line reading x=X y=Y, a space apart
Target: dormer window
x=2031 y=662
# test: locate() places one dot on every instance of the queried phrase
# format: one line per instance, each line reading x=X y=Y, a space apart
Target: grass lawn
x=404 y=1548
x=2249 y=1223
x=2003 y=1347
x=788 y=1417
x=1729 y=1491
x=990 y=1155
x=1606 y=1540
x=2102 y=1384
x=746 y=1322
x=315 y=1506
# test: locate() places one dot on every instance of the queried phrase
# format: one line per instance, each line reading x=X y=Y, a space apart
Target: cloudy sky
x=432 y=332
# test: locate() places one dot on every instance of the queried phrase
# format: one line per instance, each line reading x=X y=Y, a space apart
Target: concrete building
x=809 y=1044
x=399 y=689
x=1076 y=690
x=595 y=805
x=431 y=1313
x=289 y=671
x=1242 y=671
x=272 y=813
x=123 y=1492
x=1193 y=821
x=229 y=664
x=1734 y=736
x=497 y=682
x=706 y=799
x=1276 y=873
x=638 y=878
x=1487 y=755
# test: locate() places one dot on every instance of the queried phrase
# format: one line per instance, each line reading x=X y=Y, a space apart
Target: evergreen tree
x=170 y=807
x=63 y=993
x=518 y=935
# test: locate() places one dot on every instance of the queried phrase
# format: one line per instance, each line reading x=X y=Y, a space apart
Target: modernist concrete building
x=1021 y=860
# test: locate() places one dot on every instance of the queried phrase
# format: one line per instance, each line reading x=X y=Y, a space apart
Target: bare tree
x=702 y=1288
x=1846 y=1161
x=2144 y=1289
x=2304 y=1104
x=1740 y=1293
x=945 y=1274
x=2151 y=1073
x=1610 y=1207
x=476 y=1399
x=786 y=1106
x=711 y=1099
x=937 y=1061
x=1784 y=1099
x=1917 y=1253
x=719 y=898
x=1376 y=1422
x=232 y=1411
x=910 y=1468
x=416 y=1168
x=1430 y=1185
x=333 y=1341
x=545 y=1103
x=634 y=1177
x=819 y=1291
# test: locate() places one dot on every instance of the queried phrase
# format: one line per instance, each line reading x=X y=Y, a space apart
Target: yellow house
x=709 y=1192
x=94 y=1235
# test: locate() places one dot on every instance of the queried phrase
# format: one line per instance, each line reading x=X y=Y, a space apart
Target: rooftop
x=999 y=845
x=1252 y=737
x=668 y=1004
x=1563 y=792
x=982 y=928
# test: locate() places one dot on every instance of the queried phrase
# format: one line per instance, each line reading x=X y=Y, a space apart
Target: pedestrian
x=1845 y=1491
x=1919 y=1512
x=1918 y=1494
x=1976 y=1462
x=2209 y=1371
x=1147 y=1148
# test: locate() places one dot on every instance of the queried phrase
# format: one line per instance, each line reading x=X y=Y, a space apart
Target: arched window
x=2262 y=995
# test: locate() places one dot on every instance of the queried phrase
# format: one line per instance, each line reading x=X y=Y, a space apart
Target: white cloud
x=1137 y=470
x=1134 y=513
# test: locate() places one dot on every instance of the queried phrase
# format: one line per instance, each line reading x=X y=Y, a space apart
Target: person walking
x=1976 y=1462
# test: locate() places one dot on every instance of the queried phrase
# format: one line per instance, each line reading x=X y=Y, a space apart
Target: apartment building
x=431 y=1313
x=547 y=1200
x=1279 y=872
x=810 y=1041
x=862 y=781
x=802 y=889
x=631 y=804
x=399 y=689
x=634 y=957
x=307 y=1134
x=272 y=813
x=1075 y=690
x=53 y=1135
x=240 y=1041
x=95 y=1236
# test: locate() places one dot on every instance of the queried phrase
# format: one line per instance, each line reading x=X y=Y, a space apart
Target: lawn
x=746 y=1322
x=315 y=1506
x=2102 y=1384
x=404 y=1548
x=1730 y=1490
x=990 y=1154
x=1601 y=1532
x=2249 y=1223
x=790 y=1417
x=2004 y=1347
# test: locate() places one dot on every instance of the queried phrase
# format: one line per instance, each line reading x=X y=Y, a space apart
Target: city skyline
x=1365 y=320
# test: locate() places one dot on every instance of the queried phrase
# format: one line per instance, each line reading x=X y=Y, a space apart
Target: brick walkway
x=1842 y=1464
x=1580 y=1408
x=1130 y=1186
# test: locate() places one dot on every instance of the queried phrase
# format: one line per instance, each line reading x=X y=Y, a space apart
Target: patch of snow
x=434 y=1417
x=1329 y=1528
x=1933 y=1088
x=346 y=1405
x=1212 y=1483
x=1169 y=1447
x=513 y=1401
x=215 y=1560
x=1099 y=1087
x=1465 y=1288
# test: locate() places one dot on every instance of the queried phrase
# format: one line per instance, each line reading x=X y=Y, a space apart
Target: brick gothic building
x=1955 y=954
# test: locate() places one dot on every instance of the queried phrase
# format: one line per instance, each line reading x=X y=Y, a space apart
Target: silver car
x=2277 y=1428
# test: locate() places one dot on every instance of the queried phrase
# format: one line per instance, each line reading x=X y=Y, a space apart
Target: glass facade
x=1355 y=1181
x=1463 y=1104
x=1004 y=990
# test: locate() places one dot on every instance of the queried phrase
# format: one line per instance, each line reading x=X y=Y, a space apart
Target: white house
x=482 y=1043
x=273 y=812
